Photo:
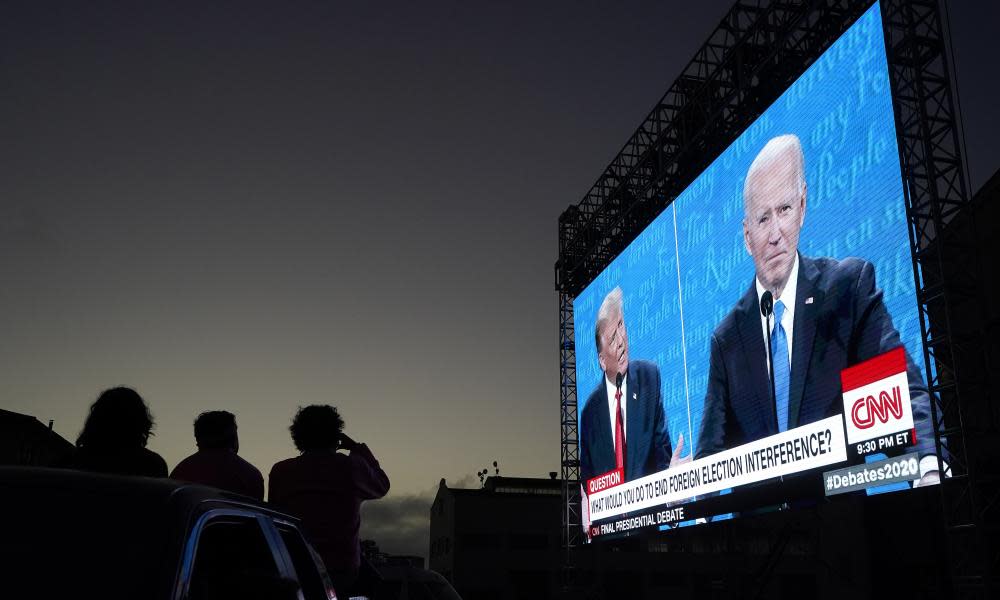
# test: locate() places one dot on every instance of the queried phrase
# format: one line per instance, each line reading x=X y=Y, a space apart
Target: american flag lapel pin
x=809 y=300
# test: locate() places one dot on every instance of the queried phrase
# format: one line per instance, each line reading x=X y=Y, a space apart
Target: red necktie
x=619 y=432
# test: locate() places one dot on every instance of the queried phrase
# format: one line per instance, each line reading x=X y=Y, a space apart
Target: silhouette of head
x=118 y=419
x=317 y=427
x=216 y=429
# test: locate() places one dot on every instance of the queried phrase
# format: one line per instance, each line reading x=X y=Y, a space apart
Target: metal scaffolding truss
x=759 y=48
x=570 y=456
x=948 y=278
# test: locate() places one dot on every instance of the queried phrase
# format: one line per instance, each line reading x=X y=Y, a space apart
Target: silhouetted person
x=216 y=462
x=114 y=437
x=325 y=489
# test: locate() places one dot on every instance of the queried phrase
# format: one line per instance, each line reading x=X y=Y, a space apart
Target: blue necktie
x=779 y=351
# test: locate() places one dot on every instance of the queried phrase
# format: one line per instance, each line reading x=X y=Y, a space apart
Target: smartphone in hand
x=346 y=442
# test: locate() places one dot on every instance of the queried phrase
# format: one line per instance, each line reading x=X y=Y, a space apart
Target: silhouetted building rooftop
x=24 y=440
x=499 y=541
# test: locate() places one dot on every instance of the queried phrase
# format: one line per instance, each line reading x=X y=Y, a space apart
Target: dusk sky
x=255 y=206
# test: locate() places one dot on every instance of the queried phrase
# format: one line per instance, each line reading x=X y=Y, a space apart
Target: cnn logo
x=877 y=397
x=869 y=409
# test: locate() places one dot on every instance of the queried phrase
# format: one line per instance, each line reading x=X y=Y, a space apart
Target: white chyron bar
x=814 y=445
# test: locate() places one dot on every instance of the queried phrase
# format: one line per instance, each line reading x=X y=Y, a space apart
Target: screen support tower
x=949 y=286
x=755 y=53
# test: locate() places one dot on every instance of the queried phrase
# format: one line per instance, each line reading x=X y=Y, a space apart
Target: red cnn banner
x=603 y=482
x=877 y=397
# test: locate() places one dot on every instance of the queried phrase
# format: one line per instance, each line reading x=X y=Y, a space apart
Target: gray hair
x=774 y=150
x=612 y=302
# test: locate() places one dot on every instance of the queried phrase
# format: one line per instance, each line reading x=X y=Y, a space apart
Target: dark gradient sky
x=253 y=206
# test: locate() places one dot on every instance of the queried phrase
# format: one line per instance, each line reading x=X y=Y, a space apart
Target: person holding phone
x=325 y=488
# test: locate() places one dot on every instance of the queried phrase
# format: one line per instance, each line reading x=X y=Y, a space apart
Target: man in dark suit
x=623 y=423
x=828 y=315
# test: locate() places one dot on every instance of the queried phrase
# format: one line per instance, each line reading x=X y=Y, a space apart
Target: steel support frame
x=755 y=53
x=569 y=447
x=947 y=278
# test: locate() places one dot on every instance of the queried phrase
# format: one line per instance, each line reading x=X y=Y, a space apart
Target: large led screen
x=759 y=345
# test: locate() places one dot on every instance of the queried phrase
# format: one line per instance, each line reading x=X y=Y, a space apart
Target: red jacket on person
x=221 y=468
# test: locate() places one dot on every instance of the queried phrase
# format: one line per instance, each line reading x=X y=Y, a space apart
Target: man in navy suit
x=828 y=315
x=623 y=423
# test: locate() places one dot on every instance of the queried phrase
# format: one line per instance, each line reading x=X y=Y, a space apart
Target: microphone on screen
x=766 y=303
x=766 y=308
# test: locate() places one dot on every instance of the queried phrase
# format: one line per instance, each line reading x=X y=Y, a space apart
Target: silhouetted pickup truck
x=69 y=534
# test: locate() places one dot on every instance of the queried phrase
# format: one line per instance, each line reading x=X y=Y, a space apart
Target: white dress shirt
x=788 y=317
